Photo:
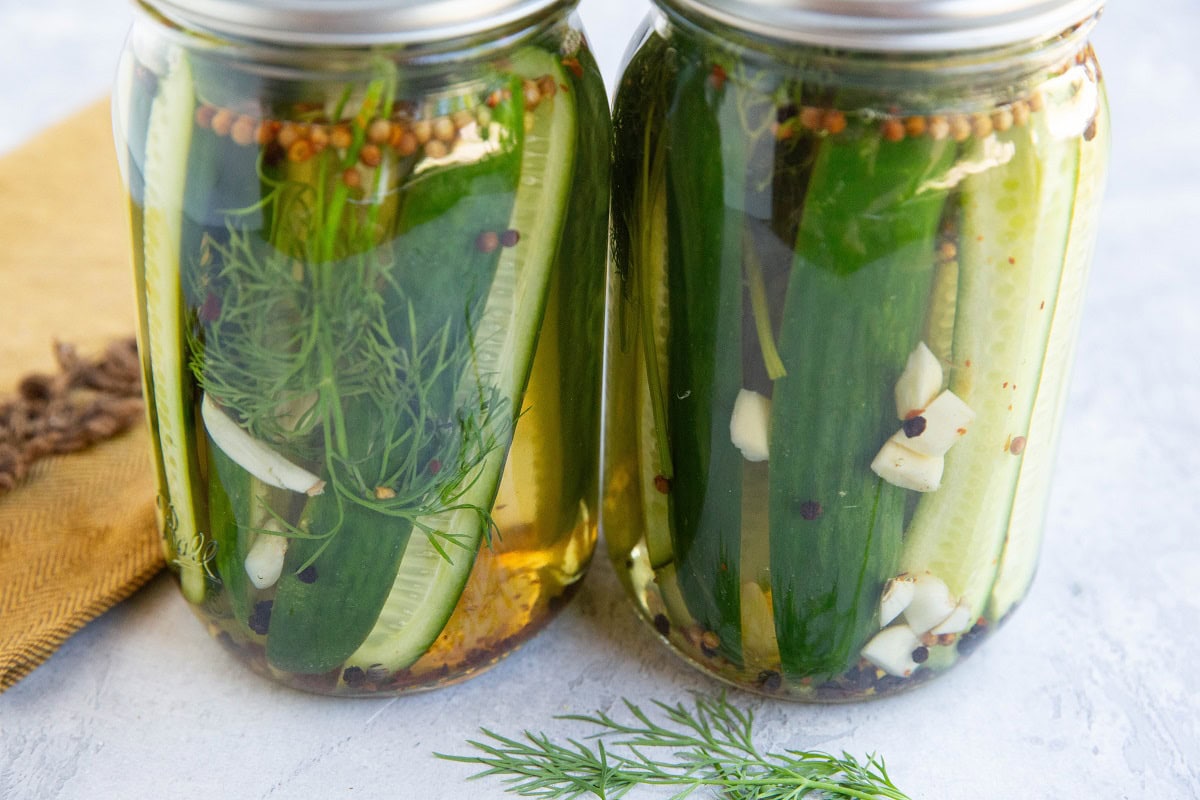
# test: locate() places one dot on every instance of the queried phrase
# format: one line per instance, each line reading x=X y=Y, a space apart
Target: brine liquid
x=784 y=242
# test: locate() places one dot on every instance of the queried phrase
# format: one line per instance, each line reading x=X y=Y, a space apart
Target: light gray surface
x=1090 y=692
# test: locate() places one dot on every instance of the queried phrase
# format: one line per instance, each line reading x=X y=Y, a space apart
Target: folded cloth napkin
x=78 y=533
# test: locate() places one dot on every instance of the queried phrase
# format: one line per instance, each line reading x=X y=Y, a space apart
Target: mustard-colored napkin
x=78 y=534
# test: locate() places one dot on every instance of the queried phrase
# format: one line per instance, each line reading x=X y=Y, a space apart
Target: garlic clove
x=897 y=594
x=932 y=604
x=908 y=469
x=255 y=456
x=918 y=383
x=750 y=425
x=264 y=561
x=959 y=621
x=891 y=650
x=943 y=422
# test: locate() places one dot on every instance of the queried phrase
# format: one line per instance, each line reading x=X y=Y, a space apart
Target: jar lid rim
x=900 y=26
x=354 y=23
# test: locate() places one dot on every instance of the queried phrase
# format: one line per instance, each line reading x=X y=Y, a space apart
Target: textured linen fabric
x=79 y=533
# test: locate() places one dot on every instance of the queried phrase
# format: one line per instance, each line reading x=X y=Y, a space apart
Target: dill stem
x=792 y=779
x=762 y=316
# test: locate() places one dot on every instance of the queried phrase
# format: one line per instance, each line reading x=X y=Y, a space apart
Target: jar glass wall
x=370 y=285
x=847 y=290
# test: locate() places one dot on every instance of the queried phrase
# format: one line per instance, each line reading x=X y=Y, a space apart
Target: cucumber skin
x=634 y=118
x=438 y=268
x=229 y=503
x=854 y=310
x=316 y=626
x=580 y=272
x=705 y=167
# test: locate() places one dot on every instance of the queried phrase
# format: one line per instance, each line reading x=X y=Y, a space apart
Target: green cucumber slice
x=230 y=490
x=1014 y=216
x=656 y=507
x=854 y=310
x=581 y=267
x=1023 y=541
x=315 y=624
x=706 y=171
x=427 y=586
x=168 y=140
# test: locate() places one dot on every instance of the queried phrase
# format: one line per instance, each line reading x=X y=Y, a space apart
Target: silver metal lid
x=912 y=26
x=350 y=22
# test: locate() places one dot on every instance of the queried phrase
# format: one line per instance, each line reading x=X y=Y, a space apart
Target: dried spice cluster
x=405 y=131
x=87 y=402
x=959 y=127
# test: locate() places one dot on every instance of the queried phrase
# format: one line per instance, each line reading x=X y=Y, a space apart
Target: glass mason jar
x=369 y=249
x=850 y=248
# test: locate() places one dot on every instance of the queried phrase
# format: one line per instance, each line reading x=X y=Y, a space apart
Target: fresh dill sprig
x=709 y=748
x=304 y=334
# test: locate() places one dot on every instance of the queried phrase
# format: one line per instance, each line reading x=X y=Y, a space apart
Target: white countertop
x=1090 y=691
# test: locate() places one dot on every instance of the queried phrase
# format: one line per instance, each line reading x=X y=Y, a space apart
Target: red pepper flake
x=967 y=363
x=811 y=509
x=1005 y=385
x=574 y=66
x=565 y=89
x=435 y=467
x=717 y=77
x=662 y=484
x=1012 y=260
x=961 y=431
x=1042 y=306
x=1017 y=446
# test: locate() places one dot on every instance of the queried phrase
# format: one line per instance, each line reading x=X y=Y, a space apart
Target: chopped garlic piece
x=943 y=423
x=897 y=594
x=908 y=469
x=264 y=562
x=959 y=621
x=254 y=456
x=932 y=604
x=919 y=383
x=750 y=425
x=891 y=650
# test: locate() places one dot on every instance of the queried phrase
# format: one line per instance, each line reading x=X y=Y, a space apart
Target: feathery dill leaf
x=707 y=748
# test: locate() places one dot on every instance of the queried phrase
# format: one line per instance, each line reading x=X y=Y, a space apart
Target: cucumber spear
x=855 y=305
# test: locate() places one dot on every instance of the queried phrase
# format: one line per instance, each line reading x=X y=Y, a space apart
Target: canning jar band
x=417 y=24
x=912 y=72
x=280 y=60
x=895 y=26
